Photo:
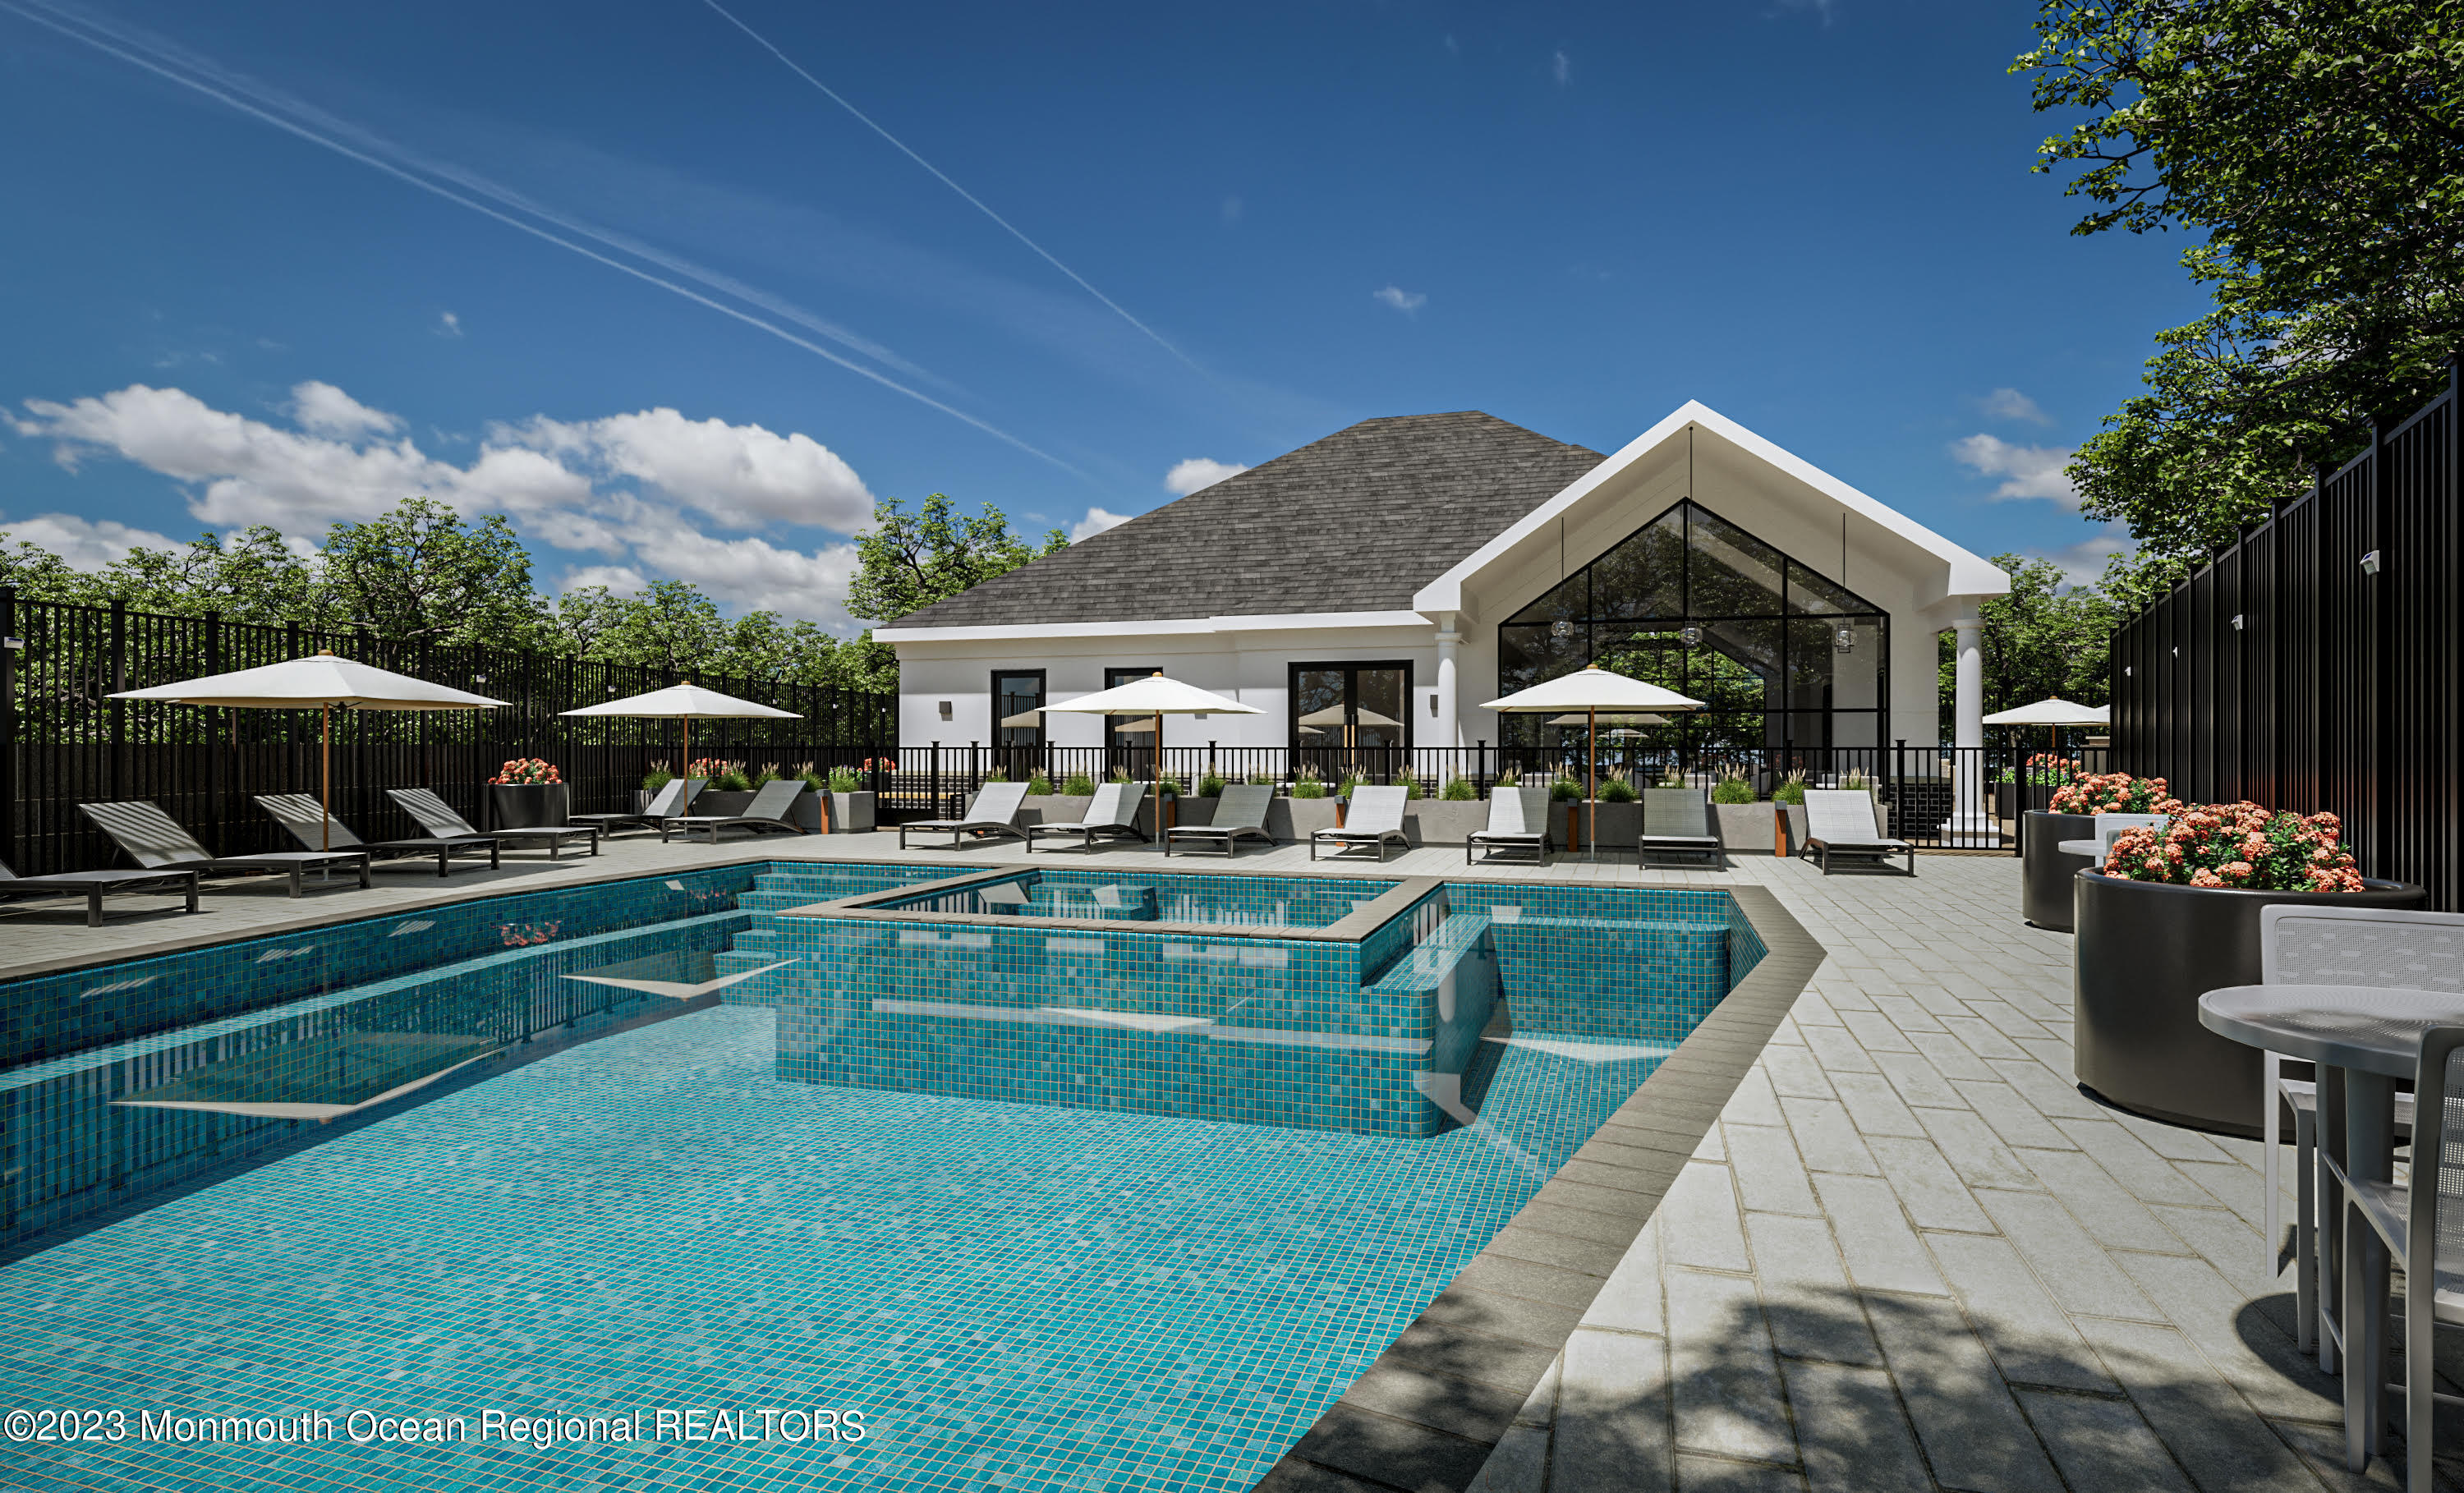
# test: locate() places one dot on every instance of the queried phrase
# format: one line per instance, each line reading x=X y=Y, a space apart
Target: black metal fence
x=2319 y=662
x=62 y=742
x=1939 y=796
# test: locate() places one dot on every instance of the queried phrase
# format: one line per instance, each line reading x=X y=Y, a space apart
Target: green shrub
x=995 y=775
x=1039 y=784
x=1211 y=787
x=1343 y=789
x=657 y=777
x=1565 y=790
x=1458 y=790
x=1079 y=785
x=845 y=780
x=1308 y=784
x=731 y=779
x=1616 y=790
x=1732 y=790
x=1168 y=786
x=1412 y=789
x=1261 y=779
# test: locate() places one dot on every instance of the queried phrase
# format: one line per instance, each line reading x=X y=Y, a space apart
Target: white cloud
x=326 y=410
x=1096 y=521
x=2026 y=471
x=743 y=475
x=2084 y=561
x=623 y=579
x=84 y=543
x=2012 y=404
x=620 y=486
x=447 y=324
x=1561 y=67
x=1199 y=471
x=1401 y=299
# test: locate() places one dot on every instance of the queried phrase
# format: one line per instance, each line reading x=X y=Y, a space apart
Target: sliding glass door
x=1351 y=718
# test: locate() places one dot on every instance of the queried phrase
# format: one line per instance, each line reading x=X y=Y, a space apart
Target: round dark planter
x=2147 y=951
x=2045 y=873
x=528 y=805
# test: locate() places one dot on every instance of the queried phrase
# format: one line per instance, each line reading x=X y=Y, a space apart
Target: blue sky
x=621 y=270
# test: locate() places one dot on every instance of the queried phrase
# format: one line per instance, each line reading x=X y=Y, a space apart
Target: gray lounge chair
x=437 y=817
x=92 y=885
x=1840 y=821
x=1112 y=814
x=768 y=811
x=992 y=814
x=309 y=825
x=673 y=800
x=1239 y=814
x=1518 y=821
x=1677 y=822
x=1374 y=817
x=155 y=841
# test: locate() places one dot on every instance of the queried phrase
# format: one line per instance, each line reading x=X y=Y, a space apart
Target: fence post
x=10 y=647
x=1479 y=768
x=119 y=708
x=1902 y=823
x=932 y=784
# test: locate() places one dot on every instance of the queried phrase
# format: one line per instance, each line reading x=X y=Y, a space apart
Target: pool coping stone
x=1425 y=1416
x=1352 y=927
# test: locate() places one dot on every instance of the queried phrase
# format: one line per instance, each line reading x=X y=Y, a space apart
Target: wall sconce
x=2126 y=671
x=2237 y=621
x=1198 y=716
x=13 y=644
x=2177 y=650
x=1690 y=636
x=1561 y=629
x=1433 y=704
x=1844 y=639
x=945 y=710
x=2370 y=564
x=478 y=678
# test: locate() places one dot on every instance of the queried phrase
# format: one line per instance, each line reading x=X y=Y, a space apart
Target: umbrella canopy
x=1592 y=691
x=1157 y=697
x=315 y=682
x=1333 y=715
x=2050 y=713
x=318 y=683
x=687 y=703
x=1619 y=721
x=1025 y=718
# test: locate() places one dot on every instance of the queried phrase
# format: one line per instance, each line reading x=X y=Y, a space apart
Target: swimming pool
x=1076 y=1291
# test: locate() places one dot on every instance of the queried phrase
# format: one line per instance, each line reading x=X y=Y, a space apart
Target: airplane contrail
x=236 y=93
x=938 y=175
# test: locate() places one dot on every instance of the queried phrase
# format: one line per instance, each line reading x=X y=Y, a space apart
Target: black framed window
x=1350 y=717
x=1017 y=693
x=1695 y=603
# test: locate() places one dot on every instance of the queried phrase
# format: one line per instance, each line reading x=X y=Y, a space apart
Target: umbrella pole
x=1157 y=790
x=326 y=778
x=1591 y=777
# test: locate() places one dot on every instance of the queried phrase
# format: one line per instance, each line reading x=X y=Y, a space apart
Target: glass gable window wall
x=1783 y=657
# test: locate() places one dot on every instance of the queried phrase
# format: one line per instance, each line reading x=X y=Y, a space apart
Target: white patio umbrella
x=318 y=682
x=2050 y=715
x=687 y=703
x=1590 y=691
x=1158 y=696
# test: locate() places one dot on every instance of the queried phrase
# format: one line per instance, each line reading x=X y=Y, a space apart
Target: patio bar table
x=2363 y=1039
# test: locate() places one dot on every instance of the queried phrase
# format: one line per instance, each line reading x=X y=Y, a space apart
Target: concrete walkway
x=1912 y=1256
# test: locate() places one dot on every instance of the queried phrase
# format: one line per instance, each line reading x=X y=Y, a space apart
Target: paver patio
x=1908 y=1255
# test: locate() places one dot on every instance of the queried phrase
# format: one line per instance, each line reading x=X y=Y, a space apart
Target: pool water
x=1187 y=901
x=1017 y=1296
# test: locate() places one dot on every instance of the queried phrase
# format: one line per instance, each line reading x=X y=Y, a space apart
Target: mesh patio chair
x=1239 y=814
x=1518 y=823
x=2308 y=944
x=2422 y=1221
x=1112 y=814
x=309 y=825
x=437 y=817
x=992 y=814
x=93 y=885
x=1840 y=821
x=155 y=841
x=1375 y=818
x=768 y=811
x=672 y=801
x=1677 y=822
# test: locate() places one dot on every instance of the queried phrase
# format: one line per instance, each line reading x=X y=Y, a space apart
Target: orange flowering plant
x=2240 y=847
x=529 y=770
x=2115 y=792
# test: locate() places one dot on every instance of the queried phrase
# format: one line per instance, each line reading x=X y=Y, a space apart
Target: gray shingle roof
x=1357 y=521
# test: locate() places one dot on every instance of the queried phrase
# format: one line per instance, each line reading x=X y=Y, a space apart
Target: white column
x=1442 y=727
x=1968 y=824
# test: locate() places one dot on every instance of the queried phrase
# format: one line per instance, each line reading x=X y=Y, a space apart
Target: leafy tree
x=2319 y=153
x=911 y=560
x=2045 y=637
x=420 y=573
